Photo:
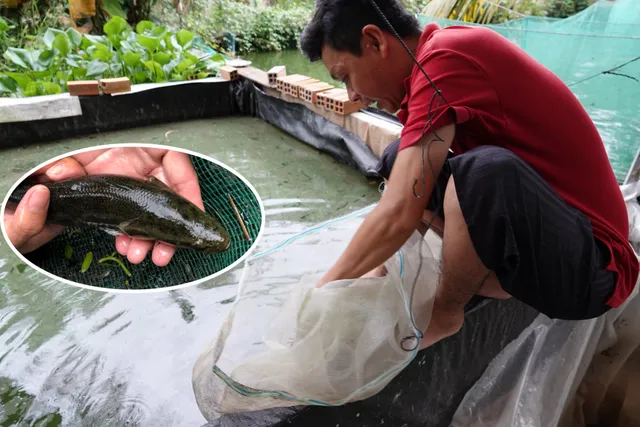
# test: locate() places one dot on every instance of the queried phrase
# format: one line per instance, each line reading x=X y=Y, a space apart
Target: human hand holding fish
x=26 y=226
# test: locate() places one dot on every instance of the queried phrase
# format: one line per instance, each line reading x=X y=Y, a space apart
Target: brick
x=275 y=72
x=115 y=85
x=343 y=106
x=331 y=96
x=83 y=87
x=286 y=81
x=229 y=73
x=294 y=90
x=323 y=98
x=309 y=93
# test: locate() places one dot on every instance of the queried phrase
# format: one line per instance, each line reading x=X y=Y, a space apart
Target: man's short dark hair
x=339 y=24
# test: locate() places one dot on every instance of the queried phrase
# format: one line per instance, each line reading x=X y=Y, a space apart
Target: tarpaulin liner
x=311 y=128
x=426 y=392
x=534 y=380
x=161 y=104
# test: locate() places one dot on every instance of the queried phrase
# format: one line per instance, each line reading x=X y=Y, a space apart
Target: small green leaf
x=22 y=79
x=20 y=57
x=50 y=35
x=96 y=68
x=184 y=37
x=41 y=75
x=159 y=31
x=217 y=58
x=115 y=26
x=126 y=46
x=79 y=73
x=97 y=52
x=68 y=251
x=203 y=75
x=4 y=26
x=62 y=44
x=21 y=268
x=140 y=76
x=71 y=61
x=87 y=262
x=163 y=58
x=89 y=40
x=45 y=58
x=167 y=38
x=184 y=64
x=175 y=44
x=7 y=84
x=144 y=26
x=131 y=59
x=75 y=37
x=114 y=8
x=168 y=68
x=116 y=68
x=42 y=88
x=150 y=43
x=156 y=70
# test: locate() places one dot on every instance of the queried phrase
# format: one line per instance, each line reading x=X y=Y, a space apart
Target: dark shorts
x=542 y=250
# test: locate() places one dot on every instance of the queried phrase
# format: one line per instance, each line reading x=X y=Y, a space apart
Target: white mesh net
x=287 y=343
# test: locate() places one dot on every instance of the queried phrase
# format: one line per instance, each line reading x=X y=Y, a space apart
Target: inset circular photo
x=132 y=218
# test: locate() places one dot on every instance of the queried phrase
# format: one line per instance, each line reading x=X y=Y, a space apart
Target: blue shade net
x=597 y=54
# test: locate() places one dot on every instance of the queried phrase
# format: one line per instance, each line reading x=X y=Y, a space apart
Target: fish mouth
x=217 y=246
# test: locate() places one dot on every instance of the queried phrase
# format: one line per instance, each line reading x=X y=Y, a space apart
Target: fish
x=139 y=208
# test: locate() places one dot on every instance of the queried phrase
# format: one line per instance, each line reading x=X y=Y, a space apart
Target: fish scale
x=141 y=208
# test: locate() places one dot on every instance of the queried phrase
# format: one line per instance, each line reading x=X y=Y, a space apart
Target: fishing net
x=64 y=255
x=316 y=346
x=597 y=54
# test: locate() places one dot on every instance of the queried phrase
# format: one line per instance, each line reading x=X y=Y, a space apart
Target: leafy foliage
x=149 y=53
x=256 y=28
x=565 y=8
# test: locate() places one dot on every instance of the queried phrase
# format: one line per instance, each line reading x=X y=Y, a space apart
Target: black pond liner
x=429 y=390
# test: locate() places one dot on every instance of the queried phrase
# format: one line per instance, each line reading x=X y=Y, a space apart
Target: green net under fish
x=65 y=255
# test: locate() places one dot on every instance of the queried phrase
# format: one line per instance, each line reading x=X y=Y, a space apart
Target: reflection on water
x=76 y=357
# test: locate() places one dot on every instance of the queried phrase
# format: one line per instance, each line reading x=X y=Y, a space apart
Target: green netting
x=187 y=265
x=580 y=50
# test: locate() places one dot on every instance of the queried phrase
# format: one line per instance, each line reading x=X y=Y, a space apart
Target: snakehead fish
x=141 y=208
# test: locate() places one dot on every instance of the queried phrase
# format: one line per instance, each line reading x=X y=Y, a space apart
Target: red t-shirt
x=500 y=95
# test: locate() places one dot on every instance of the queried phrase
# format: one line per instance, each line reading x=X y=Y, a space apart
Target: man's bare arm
x=399 y=212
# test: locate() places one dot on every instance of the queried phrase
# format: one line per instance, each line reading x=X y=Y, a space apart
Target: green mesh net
x=597 y=54
x=64 y=256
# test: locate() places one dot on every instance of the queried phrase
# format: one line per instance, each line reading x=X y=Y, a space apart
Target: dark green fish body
x=139 y=208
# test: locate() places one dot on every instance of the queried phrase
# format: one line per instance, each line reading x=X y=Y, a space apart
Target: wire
x=610 y=71
x=435 y=178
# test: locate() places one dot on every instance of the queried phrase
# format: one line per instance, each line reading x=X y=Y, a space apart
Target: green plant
x=149 y=53
x=565 y=8
x=256 y=28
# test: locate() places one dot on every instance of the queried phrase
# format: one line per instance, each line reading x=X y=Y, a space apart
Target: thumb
x=29 y=217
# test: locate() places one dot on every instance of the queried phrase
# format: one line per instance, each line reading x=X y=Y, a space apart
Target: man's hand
x=26 y=227
x=171 y=167
x=399 y=212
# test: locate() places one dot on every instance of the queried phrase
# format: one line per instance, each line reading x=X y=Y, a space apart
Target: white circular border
x=136 y=291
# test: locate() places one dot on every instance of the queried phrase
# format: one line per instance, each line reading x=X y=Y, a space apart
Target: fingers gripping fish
x=145 y=209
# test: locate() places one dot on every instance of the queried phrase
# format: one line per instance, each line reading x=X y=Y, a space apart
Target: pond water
x=76 y=357
x=296 y=64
